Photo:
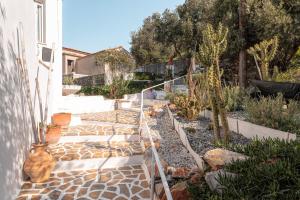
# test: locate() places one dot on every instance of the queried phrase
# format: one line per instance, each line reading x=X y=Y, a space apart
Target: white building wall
x=16 y=134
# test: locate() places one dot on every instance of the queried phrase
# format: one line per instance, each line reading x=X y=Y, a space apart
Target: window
x=40 y=22
x=70 y=65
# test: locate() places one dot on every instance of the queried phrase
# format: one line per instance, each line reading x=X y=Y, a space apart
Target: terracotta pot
x=53 y=134
x=39 y=164
x=61 y=119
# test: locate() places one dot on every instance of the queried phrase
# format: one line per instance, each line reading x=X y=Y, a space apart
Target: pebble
x=171 y=148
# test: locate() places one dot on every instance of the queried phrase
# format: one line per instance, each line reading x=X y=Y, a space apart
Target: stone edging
x=251 y=130
x=178 y=127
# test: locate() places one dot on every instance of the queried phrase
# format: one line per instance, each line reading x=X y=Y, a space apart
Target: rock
x=172 y=107
x=148 y=144
x=181 y=172
x=195 y=175
x=171 y=170
x=148 y=160
x=211 y=179
x=179 y=192
x=217 y=158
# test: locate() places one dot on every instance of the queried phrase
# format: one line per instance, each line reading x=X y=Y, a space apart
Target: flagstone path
x=85 y=144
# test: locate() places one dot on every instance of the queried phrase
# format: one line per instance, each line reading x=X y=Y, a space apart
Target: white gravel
x=171 y=148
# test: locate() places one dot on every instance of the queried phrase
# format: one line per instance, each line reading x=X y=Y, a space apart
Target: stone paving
x=88 y=150
x=84 y=130
x=113 y=184
x=117 y=116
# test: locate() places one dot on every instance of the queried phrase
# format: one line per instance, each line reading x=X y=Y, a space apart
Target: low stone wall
x=251 y=130
x=91 y=80
x=70 y=89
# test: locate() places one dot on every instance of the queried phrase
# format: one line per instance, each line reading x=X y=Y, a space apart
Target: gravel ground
x=171 y=148
x=238 y=115
x=201 y=137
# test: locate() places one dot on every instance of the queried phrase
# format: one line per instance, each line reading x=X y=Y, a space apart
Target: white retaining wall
x=251 y=130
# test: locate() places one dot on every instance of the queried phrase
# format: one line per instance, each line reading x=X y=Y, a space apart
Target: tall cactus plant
x=264 y=53
x=213 y=46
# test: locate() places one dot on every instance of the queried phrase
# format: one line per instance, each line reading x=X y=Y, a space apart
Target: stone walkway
x=113 y=183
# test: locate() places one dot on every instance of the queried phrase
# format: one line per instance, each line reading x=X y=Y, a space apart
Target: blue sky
x=93 y=25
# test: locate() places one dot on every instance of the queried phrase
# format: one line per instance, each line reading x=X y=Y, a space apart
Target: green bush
x=233 y=98
x=68 y=81
x=274 y=113
x=291 y=75
x=271 y=172
x=144 y=76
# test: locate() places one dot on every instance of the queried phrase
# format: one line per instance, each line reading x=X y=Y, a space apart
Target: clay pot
x=39 y=164
x=53 y=134
x=61 y=119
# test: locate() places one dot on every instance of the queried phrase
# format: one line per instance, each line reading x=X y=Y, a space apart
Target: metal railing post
x=152 y=175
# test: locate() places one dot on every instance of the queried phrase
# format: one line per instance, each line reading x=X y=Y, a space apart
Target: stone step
x=117 y=183
x=93 y=150
x=102 y=138
x=116 y=116
x=100 y=130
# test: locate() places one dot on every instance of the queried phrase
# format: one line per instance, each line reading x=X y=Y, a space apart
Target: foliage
x=180 y=30
x=124 y=87
x=291 y=75
x=187 y=107
x=144 y=46
x=233 y=98
x=144 y=76
x=271 y=172
x=119 y=60
x=213 y=46
x=274 y=113
x=264 y=53
x=68 y=81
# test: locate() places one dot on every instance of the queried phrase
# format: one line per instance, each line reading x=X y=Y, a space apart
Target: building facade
x=69 y=58
x=25 y=28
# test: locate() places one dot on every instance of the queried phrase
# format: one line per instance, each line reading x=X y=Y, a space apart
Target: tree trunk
x=191 y=84
x=242 y=54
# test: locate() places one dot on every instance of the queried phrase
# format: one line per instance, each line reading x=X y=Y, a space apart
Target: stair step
x=102 y=138
x=90 y=150
x=116 y=116
x=108 y=129
x=116 y=183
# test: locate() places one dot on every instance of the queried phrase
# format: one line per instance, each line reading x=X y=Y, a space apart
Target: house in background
x=41 y=23
x=69 y=58
x=87 y=65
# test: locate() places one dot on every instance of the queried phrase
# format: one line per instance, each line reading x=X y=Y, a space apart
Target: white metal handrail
x=155 y=157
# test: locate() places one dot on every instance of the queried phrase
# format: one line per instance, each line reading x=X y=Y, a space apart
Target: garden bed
x=200 y=135
x=171 y=148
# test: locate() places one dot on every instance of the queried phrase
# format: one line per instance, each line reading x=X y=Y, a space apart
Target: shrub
x=68 y=81
x=274 y=113
x=144 y=76
x=291 y=75
x=233 y=98
x=187 y=107
x=271 y=172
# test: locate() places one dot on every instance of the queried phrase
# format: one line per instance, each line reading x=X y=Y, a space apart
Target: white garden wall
x=16 y=133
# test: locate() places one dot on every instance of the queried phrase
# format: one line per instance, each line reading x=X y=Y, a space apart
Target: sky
x=93 y=25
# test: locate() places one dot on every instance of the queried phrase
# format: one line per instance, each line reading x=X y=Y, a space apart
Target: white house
x=41 y=24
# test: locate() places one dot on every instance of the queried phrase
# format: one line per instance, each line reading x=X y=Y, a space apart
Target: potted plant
x=53 y=134
x=61 y=119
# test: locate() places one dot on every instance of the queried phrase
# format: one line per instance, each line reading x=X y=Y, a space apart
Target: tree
x=213 y=46
x=264 y=53
x=144 y=46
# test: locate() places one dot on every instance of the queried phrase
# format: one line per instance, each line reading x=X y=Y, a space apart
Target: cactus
x=213 y=46
x=264 y=52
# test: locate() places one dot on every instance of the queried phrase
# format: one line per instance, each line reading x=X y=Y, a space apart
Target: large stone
x=217 y=158
x=148 y=160
x=181 y=172
x=179 y=192
x=212 y=181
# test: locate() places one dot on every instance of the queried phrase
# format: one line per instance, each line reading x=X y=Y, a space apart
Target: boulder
x=159 y=190
x=148 y=160
x=217 y=158
x=195 y=175
x=179 y=192
x=211 y=179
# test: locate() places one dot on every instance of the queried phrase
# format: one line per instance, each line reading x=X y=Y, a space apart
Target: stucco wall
x=16 y=133
x=87 y=65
